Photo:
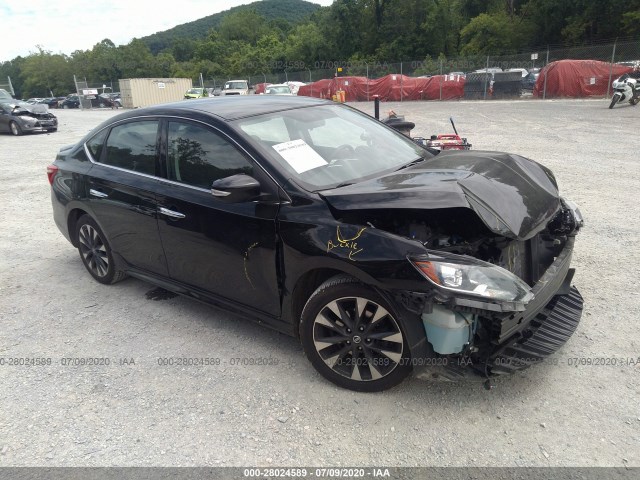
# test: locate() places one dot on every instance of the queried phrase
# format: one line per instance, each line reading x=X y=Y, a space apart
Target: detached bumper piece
x=547 y=332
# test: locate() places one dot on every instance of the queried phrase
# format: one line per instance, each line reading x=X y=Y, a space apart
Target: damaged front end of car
x=496 y=294
x=34 y=118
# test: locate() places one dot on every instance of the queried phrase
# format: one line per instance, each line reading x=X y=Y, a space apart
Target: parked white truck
x=235 y=87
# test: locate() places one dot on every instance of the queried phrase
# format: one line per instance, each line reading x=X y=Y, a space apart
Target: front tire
x=95 y=252
x=614 y=100
x=15 y=129
x=353 y=338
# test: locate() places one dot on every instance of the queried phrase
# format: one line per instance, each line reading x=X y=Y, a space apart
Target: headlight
x=577 y=214
x=472 y=277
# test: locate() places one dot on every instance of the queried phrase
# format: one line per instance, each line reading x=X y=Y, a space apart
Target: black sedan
x=51 y=102
x=19 y=117
x=321 y=222
x=96 y=101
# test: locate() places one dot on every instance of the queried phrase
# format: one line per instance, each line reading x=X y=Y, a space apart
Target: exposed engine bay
x=460 y=231
x=39 y=112
x=463 y=332
x=19 y=117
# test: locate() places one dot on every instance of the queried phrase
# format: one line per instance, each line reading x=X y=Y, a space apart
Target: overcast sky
x=63 y=26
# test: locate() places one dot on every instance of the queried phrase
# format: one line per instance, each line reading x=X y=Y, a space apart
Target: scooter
x=625 y=88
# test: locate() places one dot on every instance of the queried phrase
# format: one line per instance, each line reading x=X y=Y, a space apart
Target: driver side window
x=198 y=156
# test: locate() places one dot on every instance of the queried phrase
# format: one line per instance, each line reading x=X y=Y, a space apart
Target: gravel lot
x=144 y=414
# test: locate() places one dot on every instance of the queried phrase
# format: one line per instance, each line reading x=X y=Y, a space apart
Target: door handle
x=98 y=193
x=171 y=213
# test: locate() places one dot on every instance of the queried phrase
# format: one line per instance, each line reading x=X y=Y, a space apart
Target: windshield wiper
x=411 y=164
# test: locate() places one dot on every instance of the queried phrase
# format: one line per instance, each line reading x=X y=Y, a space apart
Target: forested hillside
x=280 y=12
x=279 y=36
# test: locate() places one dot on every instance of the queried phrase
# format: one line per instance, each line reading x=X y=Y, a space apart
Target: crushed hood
x=38 y=108
x=514 y=196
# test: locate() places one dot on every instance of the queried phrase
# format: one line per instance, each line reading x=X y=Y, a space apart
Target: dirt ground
x=137 y=412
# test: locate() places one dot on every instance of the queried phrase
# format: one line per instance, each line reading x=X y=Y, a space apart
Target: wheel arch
x=72 y=221
x=306 y=284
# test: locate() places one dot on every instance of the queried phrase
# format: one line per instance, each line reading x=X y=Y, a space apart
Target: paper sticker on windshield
x=299 y=155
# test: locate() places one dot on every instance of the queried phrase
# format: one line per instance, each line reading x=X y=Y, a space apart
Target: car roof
x=231 y=108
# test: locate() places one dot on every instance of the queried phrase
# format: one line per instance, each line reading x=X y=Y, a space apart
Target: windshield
x=235 y=85
x=328 y=146
x=195 y=91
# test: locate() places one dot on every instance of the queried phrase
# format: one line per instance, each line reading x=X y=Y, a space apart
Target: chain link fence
x=624 y=51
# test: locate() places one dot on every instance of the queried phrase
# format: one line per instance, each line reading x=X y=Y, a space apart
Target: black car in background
x=71 y=101
x=51 y=102
x=321 y=222
x=97 y=101
x=529 y=81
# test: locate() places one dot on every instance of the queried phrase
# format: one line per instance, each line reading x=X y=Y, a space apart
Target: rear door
x=122 y=185
x=228 y=249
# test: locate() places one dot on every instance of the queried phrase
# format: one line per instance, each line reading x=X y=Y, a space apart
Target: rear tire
x=95 y=252
x=634 y=101
x=614 y=100
x=353 y=338
x=15 y=129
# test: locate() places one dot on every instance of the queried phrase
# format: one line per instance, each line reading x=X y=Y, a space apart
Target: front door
x=228 y=249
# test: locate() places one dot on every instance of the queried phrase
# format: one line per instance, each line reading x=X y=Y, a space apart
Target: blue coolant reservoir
x=447 y=331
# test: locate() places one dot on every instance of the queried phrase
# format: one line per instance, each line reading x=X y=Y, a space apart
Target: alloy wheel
x=93 y=250
x=358 y=339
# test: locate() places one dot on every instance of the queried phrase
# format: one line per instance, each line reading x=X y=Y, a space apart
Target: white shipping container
x=142 y=92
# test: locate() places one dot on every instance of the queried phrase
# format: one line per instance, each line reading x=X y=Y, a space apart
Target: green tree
x=44 y=74
x=306 y=44
x=442 y=27
x=13 y=69
x=104 y=62
x=183 y=49
x=137 y=60
x=245 y=26
x=495 y=33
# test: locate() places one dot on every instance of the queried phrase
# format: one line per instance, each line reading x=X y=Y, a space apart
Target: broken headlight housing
x=473 y=277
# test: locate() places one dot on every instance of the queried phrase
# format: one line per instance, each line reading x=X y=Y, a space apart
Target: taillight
x=51 y=173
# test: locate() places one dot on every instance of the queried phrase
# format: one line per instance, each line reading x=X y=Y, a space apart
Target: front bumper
x=543 y=335
x=521 y=338
x=40 y=126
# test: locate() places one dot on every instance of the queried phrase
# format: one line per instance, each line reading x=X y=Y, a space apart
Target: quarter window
x=198 y=156
x=133 y=146
x=96 y=144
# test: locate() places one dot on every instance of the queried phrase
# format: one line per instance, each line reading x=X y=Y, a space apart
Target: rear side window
x=96 y=144
x=197 y=156
x=133 y=146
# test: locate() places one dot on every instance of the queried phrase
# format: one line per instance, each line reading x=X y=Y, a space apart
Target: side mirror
x=236 y=188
